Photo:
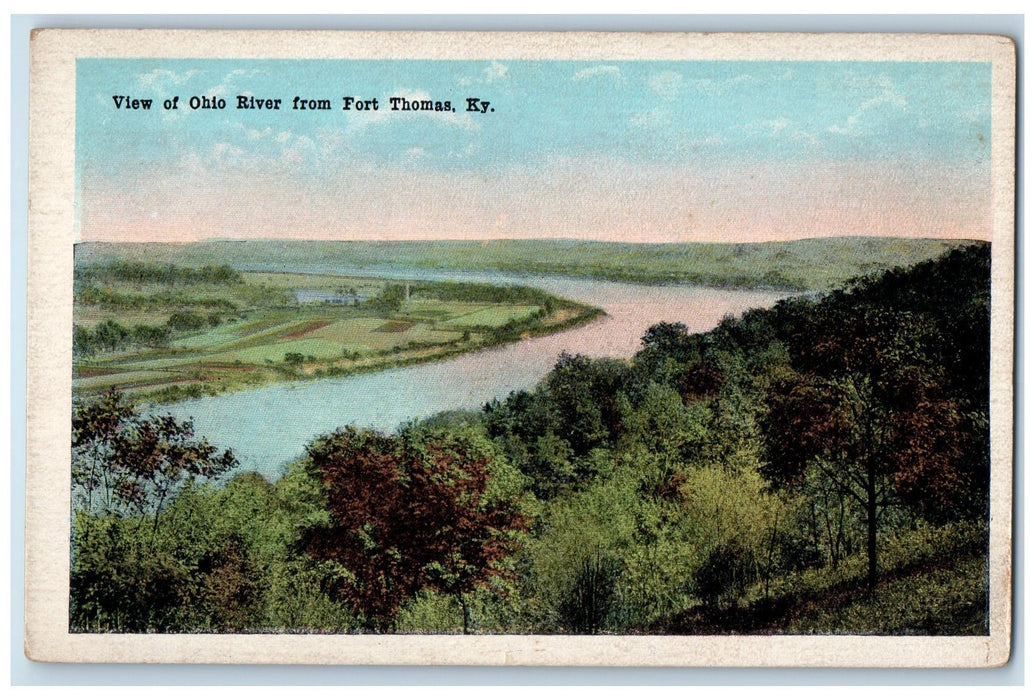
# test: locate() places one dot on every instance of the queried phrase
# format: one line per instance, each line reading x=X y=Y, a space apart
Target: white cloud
x=650 y=119
x=357 y=120
x=703 y=85
x=886 y=95
x=224 y=85
x=851 y=127
x=469 y=150
x=304 y=142
x=667 y=84
x=612 y=72
x=805 y=137
x=714 y=87
x=496 y=71
x=223 y=153
x=330 y=140
x=767 y=127
x=162 y=80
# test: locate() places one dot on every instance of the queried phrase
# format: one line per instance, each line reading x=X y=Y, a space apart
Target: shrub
x=725 y=574
x=588 y=602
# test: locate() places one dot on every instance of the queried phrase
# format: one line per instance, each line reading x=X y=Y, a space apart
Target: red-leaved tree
x=411 y=512
x=866 y=409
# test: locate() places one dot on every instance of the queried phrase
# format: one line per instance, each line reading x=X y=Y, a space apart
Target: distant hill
x=813 y=264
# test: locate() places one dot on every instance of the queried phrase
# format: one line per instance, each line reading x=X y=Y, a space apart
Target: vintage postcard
x=524 y=348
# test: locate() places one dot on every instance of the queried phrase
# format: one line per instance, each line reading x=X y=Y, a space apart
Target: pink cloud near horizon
x=731 y=202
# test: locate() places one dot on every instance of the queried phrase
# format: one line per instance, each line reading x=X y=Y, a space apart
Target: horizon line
x=556 y=239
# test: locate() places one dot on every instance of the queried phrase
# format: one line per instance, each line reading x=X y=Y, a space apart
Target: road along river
x=269 y=427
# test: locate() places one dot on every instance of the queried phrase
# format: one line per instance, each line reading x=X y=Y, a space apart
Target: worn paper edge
x=49 y=383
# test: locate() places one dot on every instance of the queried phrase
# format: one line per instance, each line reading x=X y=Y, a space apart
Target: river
x=269 y=427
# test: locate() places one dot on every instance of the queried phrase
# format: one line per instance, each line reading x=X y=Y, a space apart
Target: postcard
x=556 y=348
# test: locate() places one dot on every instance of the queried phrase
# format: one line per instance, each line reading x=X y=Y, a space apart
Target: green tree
x=151 y=336
x=82 y=340
x=120 y=582
x=186 y=321
x=584 y=396
x=390 y=300
x=135 y=464
x=110 y=335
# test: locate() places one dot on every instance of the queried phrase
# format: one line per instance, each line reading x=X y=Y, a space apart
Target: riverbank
x=163 y=334
x=289 y=373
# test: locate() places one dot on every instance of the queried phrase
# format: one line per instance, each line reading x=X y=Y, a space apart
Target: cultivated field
x=166 y=332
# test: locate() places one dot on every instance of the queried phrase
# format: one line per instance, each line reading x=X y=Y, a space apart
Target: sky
x=638 y=151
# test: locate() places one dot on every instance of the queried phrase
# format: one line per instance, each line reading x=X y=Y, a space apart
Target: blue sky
x=647 y=145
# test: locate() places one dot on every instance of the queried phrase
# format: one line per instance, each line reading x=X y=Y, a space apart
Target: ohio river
x=269 y=427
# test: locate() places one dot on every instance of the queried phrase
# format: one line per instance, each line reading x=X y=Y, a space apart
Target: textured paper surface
x=52 y=233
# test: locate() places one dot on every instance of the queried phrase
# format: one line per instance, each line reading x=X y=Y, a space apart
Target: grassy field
x=163 y=341
x=808 y=264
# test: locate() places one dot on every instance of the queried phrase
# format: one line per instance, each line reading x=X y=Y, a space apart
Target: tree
x=583 y=393
x=82 y=340
x=390 y=300
x=668 y=340
x=136 y=464
x=119 y=582
x=95 y=427
x=953 y=294
x=417 y=511
x=866 y=410
x=110 y=335
x=186 y=321
x=126 y=469
x=151 y=336
x=229 y=584
x=666 y=350
x=550 y=432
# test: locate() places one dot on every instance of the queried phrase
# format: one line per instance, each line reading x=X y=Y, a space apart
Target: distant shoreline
x=809 y=264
